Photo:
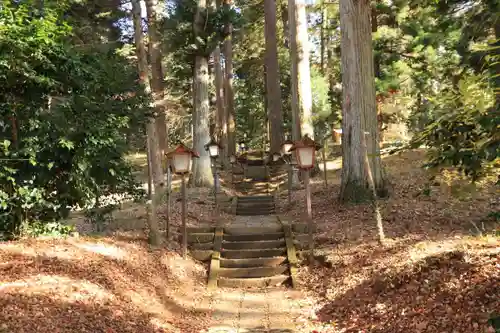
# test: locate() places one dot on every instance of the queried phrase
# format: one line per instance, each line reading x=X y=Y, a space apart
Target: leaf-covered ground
x=435 y=274
x=98 y=285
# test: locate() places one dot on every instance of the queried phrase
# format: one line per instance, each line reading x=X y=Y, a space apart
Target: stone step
x=201 y=255
x=257 y=193
x=252 y=262
x=255 y=199
x=199 y=237
x=255 y=253
x=191 y=230
x=254 y=237
x=255 y=212
x=201 y=246
x=268 y=244
x=263 y=208
x=272 y=281
x=253 y=272
x=235 y=230
x=255 y=204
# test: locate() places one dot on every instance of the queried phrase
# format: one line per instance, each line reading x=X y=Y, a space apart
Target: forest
x=401 y=98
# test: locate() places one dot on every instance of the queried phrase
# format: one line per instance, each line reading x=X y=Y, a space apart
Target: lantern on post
x=305 y=151
x=243 y=147
x=286 y=146
x=181 y=163
x=182 y=159
x=214 y=149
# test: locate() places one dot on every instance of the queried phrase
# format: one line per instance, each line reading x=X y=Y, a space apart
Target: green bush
x=65 y=113
x=39 y=228
x=465 y=130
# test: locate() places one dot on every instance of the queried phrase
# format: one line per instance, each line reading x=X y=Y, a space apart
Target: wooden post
x=169 y=201
x=290 y=175
x=309 y=213
x=214 y=173
x=184 y=227
x=323 y=155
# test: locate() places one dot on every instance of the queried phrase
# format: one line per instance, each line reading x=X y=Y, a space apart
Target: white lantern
x=276 y=157
x=181 y=162
x=232 y=159
x=305 y=150
x=305 y=157
x=213 y=148
x=181 y=159
x=287 y=145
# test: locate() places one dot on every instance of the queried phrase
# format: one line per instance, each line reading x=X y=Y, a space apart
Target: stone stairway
x=258 y=249
x=256 y=192
x=255 y=205
x=250 y=256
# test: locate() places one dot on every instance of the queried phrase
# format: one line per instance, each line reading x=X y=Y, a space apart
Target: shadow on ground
x=69 y=287
x=449 y=292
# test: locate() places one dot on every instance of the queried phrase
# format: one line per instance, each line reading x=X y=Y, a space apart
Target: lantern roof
x=211 y=143
x=306 y=141
x=182 y=148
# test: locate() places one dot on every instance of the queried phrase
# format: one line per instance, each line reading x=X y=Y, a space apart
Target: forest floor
x=438 y=272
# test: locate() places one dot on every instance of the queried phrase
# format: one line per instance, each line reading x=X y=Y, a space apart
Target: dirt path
x=263 y=311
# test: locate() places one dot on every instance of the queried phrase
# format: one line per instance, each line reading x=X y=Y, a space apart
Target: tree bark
x=359 y=106
x=157 y=85
x=201 y=175
x=273 y=79
x=285 y=22
x=301 y=72
x=154 y=156
x=221 y=122
x=294 y=76
x=228 y=87
x=324 y=36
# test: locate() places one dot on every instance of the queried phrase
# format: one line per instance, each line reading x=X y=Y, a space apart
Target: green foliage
x=321 y=107
x=53 y=229
x=465 y=132
x=65 y=115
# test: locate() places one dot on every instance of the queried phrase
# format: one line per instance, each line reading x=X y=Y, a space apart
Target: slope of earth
x=439 y=270
x=98 y=285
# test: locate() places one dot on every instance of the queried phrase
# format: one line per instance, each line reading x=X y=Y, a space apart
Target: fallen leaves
x=97 y=285
x=432 y=276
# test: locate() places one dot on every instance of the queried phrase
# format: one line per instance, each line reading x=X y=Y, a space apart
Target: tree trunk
x=359 y=106
x=154 y=157
x=157 y=86
x=301 y=73
x=273 y=79
x=324 y=36
x=294 y=76
x=228 y=89
x=285 y=22
x=201 y=175
x=221 y=122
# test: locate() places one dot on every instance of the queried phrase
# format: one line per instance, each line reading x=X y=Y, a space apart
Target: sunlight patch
x=60 y=252
x=58 y=287
x=102 y=249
